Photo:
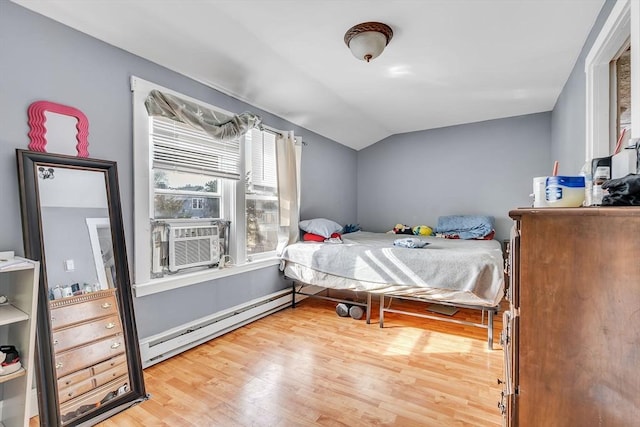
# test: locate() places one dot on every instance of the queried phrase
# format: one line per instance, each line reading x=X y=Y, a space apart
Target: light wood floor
x=308 y=367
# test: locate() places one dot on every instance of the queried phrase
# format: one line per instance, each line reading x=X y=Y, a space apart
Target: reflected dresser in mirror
x=89 y=351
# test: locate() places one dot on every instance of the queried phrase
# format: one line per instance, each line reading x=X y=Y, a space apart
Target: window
x=621 y=98
x=621 y=30
x=197 y=203
x=184 y=186
x=261 y=192
x=183 y=190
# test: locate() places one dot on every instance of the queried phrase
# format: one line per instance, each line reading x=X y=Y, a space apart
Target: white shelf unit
x=19 y=283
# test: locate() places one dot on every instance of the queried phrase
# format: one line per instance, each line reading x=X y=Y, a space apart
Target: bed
x=451 y=272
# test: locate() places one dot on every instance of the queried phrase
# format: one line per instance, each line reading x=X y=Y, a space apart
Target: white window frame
x=622 y=25
x=232 y=208
x=262 y=255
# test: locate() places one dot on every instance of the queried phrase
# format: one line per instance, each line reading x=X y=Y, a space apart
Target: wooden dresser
x=572 y=332
x=90 y=357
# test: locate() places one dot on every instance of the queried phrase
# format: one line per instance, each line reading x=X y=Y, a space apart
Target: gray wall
x=41 y=59
x=328 y=187
x=66 y=236
x=568 y=118
x=483 y=168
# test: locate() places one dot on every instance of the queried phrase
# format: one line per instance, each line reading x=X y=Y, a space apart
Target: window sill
x=174 y=282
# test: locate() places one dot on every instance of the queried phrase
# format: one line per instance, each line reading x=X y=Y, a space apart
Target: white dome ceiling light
x=367 y=40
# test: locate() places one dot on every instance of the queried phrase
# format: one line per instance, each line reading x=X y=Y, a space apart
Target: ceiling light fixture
x=368 y=40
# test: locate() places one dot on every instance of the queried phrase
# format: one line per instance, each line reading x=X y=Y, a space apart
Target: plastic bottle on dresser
x=588 y=183
x=57 y=292
x=600 y=175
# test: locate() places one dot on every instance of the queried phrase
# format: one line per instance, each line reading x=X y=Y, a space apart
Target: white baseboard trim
x=167 y=344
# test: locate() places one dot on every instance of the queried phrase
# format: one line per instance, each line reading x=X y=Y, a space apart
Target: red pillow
x=489 y=236
x=310 y=237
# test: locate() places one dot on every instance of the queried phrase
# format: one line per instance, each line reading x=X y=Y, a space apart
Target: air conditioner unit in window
x=193 y=246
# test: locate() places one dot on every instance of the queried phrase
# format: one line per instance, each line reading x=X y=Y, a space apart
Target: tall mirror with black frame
x=89 y=364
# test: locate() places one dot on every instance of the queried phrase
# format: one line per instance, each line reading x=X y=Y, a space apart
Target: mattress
x=456 y=271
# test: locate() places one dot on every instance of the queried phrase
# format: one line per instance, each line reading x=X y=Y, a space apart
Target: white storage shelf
x=9 y=377
x=19 y=280
x=10 y=314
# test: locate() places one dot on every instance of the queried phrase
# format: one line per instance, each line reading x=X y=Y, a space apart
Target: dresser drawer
x=68 y=393
x=88 y=355
x=75 y=407
x=74 y=378
x=108 y=364
x=64 y=339
x=82 y=308
x=111 y=374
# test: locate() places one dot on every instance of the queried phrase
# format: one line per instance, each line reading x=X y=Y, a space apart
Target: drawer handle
x=67 y=382
x=55 y=342
x=70 y=394
x=106 y=305
x=59 y=365
x=115 y=345
x=110 y=325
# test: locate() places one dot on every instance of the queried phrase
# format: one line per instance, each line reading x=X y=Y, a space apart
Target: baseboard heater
x=162 y=346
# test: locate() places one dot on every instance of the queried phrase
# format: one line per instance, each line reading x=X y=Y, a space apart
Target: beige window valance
x=216 y=124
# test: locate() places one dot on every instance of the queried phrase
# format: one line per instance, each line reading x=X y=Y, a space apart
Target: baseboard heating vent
x=162 y=346
x=193 y=246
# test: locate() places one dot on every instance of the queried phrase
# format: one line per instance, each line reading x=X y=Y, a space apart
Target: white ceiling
x=449 y=62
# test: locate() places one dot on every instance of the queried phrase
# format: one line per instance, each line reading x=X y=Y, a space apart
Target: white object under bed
x=468 y=272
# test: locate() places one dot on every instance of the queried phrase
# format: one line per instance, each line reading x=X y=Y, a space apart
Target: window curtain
x=288 y=155
x=214 y=123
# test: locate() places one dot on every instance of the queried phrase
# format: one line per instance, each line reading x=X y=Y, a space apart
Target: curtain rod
x=272 y=131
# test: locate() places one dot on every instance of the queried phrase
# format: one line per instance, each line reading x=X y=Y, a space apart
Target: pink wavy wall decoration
x=37 y=119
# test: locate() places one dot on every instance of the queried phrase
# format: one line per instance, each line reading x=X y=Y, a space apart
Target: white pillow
x=320 y=226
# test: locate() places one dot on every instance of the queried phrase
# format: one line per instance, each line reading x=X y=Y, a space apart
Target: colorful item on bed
x=465 y=227
x=351 y=228
x=402 y=229
x=418 y=230
x=310 y=237
x=422 y=230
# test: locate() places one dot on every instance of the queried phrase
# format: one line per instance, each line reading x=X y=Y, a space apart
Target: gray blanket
x=473 y=266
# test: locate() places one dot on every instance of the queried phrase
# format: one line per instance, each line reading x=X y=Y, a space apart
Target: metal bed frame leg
x=368 y=308
x=490 y=330
x=293 y=294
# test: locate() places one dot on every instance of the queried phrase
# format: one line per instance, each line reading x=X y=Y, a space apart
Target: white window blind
x=177 y=146
x=263 y=158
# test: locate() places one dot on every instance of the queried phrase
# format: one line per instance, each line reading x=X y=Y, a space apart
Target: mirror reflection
x=89 y=359
x=71 y=257
x=86 y=330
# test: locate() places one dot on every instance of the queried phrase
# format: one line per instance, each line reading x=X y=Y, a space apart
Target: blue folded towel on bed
x=465 y=226
x=410 y=242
